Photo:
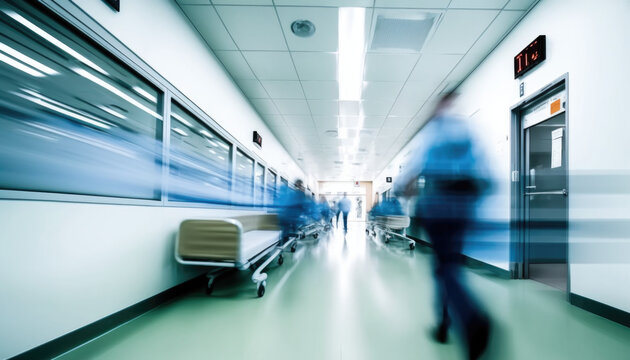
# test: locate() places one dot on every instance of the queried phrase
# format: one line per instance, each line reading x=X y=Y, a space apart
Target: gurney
x=232 y=243
x=391 y=227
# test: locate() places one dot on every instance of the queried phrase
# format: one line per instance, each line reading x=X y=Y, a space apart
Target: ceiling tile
x=299 y=120
x=321 y=90
x=412 y=3
x=433 y=68
x=207 y=22
x=242 y=2
x=264 y=106
x=282 y=89
x=269 y=65
x=381 y=90
x=376 y=108
x=316 y=65
x=252 y=89
x=325 y=122
x=292 y=107
x=477 y=4
x=324 y=107
x=520 y=4
x=389 y=67
x=338 y=3
x=194 y=2
x=396 y=122
x=325 y=21
x=406 y=107
x=373 y=121
x=459 y=30
x=235 y=64
x=253 y=27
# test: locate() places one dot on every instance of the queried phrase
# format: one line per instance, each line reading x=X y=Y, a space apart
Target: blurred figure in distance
x=344 y=207
x=450 y=164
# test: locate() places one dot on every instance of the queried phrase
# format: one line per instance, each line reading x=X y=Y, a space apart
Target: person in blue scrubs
x=452 y=167
x=344 y=207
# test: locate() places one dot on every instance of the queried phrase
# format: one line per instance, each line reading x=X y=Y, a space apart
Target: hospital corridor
x=314 y=179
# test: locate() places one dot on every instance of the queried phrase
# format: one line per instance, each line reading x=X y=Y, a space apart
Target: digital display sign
x=532 y=55
x=388 y=179
x=257 y=139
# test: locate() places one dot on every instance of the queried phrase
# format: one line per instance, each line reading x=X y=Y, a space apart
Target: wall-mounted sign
x=115 y=4
x=532 y=55
x=257 y=139
x=388 y=179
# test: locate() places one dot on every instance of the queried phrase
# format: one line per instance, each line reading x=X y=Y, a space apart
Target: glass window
x=259 y=183
x=72 y=120
x=244 y=178
x=271 y=188
x=200 y=161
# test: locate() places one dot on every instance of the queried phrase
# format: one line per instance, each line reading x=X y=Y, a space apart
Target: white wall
x=161 y=35
x=66 y=265
x=589 y=41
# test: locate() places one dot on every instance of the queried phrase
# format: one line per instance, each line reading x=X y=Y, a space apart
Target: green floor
x=355 y=299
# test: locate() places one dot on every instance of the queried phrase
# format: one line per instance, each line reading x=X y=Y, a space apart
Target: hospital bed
x=391 y=227
x=233 y=243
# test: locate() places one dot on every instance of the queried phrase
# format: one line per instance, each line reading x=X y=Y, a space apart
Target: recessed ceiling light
x=331 y=133
x=303 y=28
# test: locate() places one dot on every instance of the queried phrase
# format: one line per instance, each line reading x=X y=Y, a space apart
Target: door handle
x=557 y=192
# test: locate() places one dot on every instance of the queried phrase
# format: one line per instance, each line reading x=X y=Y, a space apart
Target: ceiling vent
x=402 y=31
x=338 y=162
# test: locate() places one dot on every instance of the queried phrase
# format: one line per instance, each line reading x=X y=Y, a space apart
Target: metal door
x=545 y=194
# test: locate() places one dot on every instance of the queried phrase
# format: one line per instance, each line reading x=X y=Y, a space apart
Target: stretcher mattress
x=235 y=239
x=393 y=221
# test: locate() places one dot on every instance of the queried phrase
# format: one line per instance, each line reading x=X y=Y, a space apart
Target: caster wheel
x=386 y=241
x=261 y=289
x=412 y=246
x=367 y=231
x=293 y=248
x=315 y=236
x=280 y=260
x=210 y=288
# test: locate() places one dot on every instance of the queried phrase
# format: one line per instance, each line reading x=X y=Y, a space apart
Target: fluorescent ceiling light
x=116 y=91
x=63 y=111
x=53 y=40
x=112 y=112
x=145 y=94
x=351 y=52
x=212 y=151
x=18 y=65
x=221 y=157
x=180 y=131
x=25 y=59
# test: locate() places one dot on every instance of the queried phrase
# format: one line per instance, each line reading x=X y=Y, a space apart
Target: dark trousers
x=345 y=221
x=337 y=218
x=452 y=293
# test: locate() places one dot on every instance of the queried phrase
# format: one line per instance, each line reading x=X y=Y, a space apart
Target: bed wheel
x=315 y=235
x=293 y=248
x=367 y=232
x=261 y=289
x=412 y=246
x=210 y=287
x=280 y=260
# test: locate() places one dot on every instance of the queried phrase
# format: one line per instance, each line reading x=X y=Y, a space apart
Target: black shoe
x=440 y=334
x=478 y=336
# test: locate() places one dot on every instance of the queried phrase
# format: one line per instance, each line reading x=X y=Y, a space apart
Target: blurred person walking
x=344 y=207
x=450 y=164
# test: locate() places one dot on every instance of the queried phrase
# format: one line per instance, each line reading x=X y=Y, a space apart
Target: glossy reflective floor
x=355 y=298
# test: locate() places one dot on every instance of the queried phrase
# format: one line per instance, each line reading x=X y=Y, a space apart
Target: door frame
x=518 y=243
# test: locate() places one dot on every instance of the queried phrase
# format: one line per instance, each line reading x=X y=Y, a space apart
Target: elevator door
x=546 y=196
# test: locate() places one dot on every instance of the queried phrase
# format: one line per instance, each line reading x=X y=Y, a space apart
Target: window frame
x=71 y=16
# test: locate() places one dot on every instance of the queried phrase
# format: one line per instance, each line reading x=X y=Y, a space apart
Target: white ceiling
x=292 y=81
